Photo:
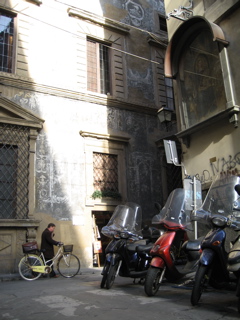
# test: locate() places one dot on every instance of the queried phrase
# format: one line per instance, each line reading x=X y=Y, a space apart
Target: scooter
x=173 y=254
x=127 y=255
x=234 y=254
x=216 y=212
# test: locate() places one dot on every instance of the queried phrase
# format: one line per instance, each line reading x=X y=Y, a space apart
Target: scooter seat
x=192 y=245
x=133 y=246
x=146 y=248
x=234 y=257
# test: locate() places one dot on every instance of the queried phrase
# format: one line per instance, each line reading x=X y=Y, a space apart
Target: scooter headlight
x=124 y=235
x=219 y=221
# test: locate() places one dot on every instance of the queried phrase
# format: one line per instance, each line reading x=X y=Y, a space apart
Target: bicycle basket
x=30 y=247
x=68 y=248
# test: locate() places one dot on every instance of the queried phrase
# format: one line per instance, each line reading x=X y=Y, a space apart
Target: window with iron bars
x=14 y=171
x=98 y=73
x=6 y=41
x=105 y=172
x=162 y=24
x=169 y=94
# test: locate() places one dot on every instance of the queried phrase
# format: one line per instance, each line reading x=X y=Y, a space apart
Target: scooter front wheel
x=200 y=283
x=111 y=275
x=105 y=274
x=152 y=281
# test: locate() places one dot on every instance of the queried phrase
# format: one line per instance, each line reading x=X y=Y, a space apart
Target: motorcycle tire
x=199 y=284
x=238 y=305
x=104 y=278
x=111 y=275
x=152 y=283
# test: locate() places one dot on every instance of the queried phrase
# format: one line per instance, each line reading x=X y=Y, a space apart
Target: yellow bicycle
x=33 y=264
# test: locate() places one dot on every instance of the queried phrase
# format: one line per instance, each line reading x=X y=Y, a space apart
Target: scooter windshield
x=173 y=215
x=125 y=218
x=220 y=199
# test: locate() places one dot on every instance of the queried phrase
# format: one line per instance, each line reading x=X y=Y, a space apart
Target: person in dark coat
x=47 y=245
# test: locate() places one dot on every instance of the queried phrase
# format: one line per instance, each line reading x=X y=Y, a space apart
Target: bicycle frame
x=47 y=268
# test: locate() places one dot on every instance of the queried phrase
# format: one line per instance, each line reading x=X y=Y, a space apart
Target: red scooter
x=173 y=254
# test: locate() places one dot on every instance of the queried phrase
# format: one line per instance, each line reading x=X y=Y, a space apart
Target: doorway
x=100 y=219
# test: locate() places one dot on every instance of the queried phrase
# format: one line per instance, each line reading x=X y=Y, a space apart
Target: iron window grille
x=14 y=171
x=105 y=172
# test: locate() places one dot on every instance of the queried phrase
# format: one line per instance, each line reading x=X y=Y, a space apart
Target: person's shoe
x=56 y=276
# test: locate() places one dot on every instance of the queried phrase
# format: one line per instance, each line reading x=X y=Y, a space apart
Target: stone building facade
x=202 y=59
x=80 y=89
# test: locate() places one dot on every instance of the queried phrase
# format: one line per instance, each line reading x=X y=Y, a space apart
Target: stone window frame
x=108 y=144
x=13 y=114
x=113 y=34
x=158 y=48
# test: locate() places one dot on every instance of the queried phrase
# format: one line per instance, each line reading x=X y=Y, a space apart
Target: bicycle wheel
x=68 y=265
x=25 y=267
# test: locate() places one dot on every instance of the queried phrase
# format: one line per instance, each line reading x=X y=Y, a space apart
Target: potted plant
x=106 y=194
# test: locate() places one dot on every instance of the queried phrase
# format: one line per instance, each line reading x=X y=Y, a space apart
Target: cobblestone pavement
x=81 y=298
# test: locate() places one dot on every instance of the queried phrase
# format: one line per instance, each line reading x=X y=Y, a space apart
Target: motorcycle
x=127 y=255
x=216 y=212
x=173 y=254
x=234 y=254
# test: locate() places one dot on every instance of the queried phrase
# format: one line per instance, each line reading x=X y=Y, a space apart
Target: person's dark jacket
x=48 y=243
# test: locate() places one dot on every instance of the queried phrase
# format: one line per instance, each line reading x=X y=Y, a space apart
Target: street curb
x=16 y=276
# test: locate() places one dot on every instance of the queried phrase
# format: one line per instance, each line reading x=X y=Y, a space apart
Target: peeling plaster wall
x=60 y=158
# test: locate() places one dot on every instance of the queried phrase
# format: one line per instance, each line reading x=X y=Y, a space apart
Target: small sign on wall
x=97 y=247
x=78 y=220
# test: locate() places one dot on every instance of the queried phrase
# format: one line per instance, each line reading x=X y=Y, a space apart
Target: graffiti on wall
x=223 y=166
x=26 y=100
x=50 y=196
x=135 y=11
x=140 y=14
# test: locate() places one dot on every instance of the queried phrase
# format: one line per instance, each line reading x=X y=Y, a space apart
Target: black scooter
x=215 y=212
x=127 y=255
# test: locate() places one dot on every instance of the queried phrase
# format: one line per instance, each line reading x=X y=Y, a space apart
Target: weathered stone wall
x=50 y=81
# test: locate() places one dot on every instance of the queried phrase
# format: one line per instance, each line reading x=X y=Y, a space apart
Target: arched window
x=196 y=58
x=201 y=80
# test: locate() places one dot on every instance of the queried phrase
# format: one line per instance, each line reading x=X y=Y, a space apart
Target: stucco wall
x=216 y=150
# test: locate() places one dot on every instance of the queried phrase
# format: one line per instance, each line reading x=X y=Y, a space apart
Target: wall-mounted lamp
x=164 y=115
x=233 y=116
